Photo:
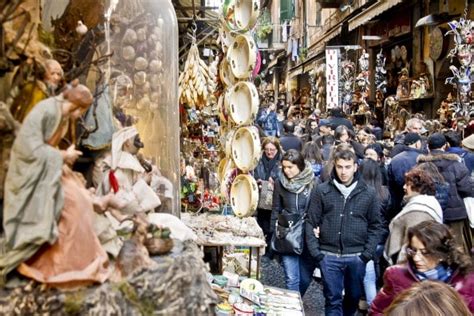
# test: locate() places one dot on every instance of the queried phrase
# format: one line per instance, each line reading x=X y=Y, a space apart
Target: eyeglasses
x=412 y=252
x=270 y=149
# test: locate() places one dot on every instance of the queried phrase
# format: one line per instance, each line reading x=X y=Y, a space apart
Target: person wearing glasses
x=266 y=173
x=432 y=254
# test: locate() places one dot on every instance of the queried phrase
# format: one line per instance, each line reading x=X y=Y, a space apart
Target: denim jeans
x=370 y=285
x=370 y=279
x=338 y=274
x=298 y=271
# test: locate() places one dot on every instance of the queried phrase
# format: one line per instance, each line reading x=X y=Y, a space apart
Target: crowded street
x=237 y=157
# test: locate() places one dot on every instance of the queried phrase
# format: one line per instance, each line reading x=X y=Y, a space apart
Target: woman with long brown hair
x=429 y=298
x=432 y=254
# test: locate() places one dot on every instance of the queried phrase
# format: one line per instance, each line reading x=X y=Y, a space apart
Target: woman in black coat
x=291 y=199
x=266 y=173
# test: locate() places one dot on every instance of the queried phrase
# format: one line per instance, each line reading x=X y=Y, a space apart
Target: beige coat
x=419 y=208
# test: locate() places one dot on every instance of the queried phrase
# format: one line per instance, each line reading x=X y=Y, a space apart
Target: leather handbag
x=265 y=197
x=288 y=236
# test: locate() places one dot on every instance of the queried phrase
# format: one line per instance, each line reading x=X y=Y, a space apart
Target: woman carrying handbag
x=266 y=173
x=290 y=202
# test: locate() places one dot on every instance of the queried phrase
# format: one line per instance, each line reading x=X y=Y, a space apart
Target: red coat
x=400 y=277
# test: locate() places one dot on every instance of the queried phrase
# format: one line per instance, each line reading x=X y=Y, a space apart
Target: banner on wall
x=332 y=77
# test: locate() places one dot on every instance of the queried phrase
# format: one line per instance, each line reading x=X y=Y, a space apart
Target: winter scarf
x=438 y=273
x=423 y=203
x=343 y=189
x=300 y=181
x=269 y=164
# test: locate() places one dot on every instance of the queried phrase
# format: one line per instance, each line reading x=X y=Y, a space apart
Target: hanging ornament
x=196 y=82
x=462 y=79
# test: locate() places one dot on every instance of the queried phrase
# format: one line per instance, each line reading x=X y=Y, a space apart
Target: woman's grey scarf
x=298 y=183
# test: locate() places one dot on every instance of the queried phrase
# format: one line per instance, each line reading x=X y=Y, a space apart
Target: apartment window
x=287 y=10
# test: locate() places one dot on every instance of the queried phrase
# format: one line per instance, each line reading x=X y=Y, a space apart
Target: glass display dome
x=134 y=49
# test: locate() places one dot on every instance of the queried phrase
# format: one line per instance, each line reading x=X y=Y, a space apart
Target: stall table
x=219 y=231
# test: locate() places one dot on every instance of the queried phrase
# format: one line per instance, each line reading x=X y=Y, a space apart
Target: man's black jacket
x=347 y=226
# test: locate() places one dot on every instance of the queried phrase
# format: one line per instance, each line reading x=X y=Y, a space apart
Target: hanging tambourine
x=225 y=165
x=228 y=178
x=246 y=148
x=243 y=103
x=228 y=142
x=245 y=14
x=227 y=37
x=221 y=105
x=244 y=195
x=225 y=73
x=242 y=56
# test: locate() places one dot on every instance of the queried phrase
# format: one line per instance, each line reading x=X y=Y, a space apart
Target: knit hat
x=468 y=142
x=411 y=138
x=324 y=122
x=436 y=141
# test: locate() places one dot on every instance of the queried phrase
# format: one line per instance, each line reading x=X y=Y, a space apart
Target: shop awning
x=274 y=61
x=371 y=12
x=320 y=44
x=295 y=71
x=308 y=67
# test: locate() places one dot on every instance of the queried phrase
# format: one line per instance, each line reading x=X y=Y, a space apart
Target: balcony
x=331 y=4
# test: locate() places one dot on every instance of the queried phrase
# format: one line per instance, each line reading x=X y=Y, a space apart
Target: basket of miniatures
x=158 y=240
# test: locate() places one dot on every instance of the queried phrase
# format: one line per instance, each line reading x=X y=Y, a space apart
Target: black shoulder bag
x=288 y=238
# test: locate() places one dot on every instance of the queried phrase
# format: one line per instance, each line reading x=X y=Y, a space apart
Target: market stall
x=224 y=234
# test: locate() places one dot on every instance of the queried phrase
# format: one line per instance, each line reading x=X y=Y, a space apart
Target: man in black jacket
x=347 y=213
x=337 y=119
x=289 y=140
x=461 y=185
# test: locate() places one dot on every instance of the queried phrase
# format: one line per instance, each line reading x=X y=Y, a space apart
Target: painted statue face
x=54 y=74
x=130 y=147
x=464 y=55
x=393 y=55
x=466 y=35
x=403 y=52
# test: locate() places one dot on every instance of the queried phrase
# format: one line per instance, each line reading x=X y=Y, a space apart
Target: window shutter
x=286 y=10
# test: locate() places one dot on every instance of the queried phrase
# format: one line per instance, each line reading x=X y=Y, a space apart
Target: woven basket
x=158 y=246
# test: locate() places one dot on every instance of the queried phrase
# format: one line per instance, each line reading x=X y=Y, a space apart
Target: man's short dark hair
x=337 y=112
x=288 y=126
x=328 y=139
x=453 y=138
x=345 y=154
x=295 y=157
x=436 y=141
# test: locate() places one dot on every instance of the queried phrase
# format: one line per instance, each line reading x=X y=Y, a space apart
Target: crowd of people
x=381 y=218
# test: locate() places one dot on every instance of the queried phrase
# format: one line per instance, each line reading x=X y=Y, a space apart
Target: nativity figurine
x=48 y=212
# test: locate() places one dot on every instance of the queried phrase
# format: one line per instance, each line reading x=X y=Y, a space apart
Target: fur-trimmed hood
x=438 y=156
